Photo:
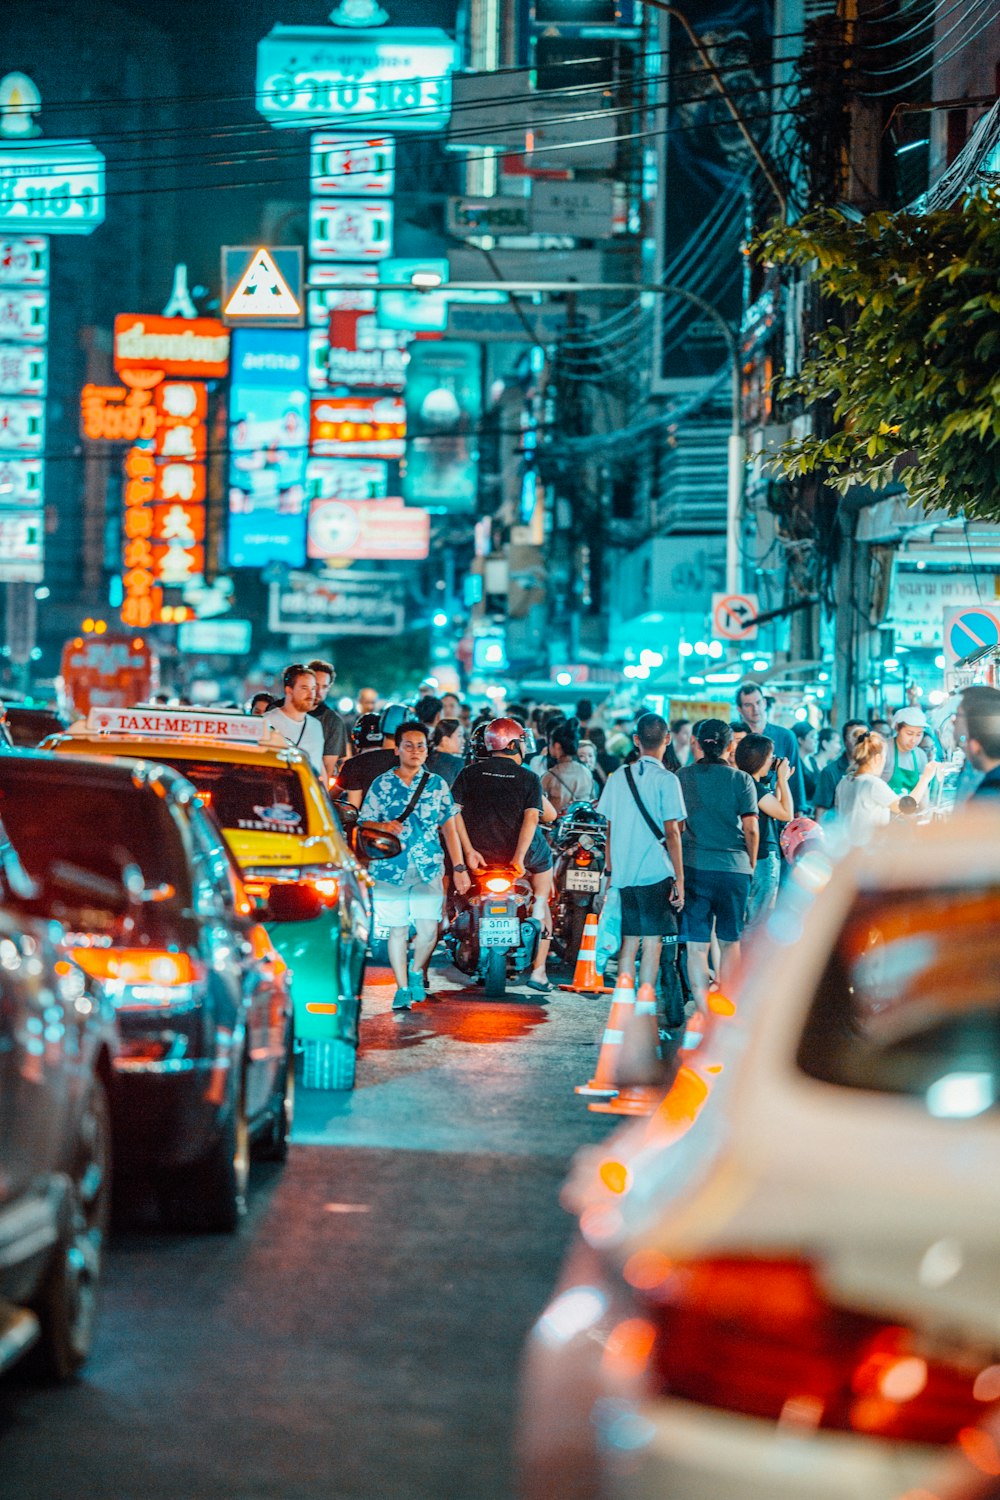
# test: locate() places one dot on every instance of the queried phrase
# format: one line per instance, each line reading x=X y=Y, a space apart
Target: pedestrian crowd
x=701 y=817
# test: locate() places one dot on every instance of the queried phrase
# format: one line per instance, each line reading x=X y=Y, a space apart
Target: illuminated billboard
x=53 y=186
x=197 y=347
x=268 y=447
x=371 y=529
x=443 y=403
x=358 y=427
x=350 y=229
x=350 y=166
x=327 y=77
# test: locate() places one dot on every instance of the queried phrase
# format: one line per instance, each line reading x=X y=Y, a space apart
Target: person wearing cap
x=977 y=727
x=905 y=762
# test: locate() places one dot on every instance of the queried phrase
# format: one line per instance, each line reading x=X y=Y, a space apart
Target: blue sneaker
x=401 y=1000
x=418 y=989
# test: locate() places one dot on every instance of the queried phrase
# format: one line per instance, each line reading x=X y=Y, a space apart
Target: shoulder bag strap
x=656 y=832
x=425 y=778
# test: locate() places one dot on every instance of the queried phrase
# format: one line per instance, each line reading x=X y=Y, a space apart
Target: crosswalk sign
x=262 y=286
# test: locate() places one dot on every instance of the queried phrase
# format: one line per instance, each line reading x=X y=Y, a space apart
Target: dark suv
x=125 y=856
x=57 y=1044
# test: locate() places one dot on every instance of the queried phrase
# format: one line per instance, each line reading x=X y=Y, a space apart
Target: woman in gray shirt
x=720 y=841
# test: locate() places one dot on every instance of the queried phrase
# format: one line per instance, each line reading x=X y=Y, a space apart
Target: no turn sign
x=734 y=616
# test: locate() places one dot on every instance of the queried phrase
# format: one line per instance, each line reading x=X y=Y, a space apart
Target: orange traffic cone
x=639 y=1072
x=603 y=1085
x=585 y=980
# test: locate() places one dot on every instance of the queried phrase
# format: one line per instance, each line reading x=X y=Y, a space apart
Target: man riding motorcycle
x=500 y=806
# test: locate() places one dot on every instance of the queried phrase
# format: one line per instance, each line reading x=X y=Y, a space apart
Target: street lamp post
x=430 y=282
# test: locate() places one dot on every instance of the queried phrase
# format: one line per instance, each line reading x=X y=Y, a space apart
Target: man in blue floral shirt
x=417 y=807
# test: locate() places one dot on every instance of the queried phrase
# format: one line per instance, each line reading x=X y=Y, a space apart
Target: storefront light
x=760 y=665
x=940 y=662
x=701 y=648
x=685 y=648
x=715 y=649
x=697 y=681
x=891 y=664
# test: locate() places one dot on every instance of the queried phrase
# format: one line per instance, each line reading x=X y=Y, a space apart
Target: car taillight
x=324 y=882
x=498 y=883
x=137 y=965
x=760 y=1337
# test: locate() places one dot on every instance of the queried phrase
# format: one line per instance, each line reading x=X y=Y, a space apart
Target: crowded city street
x=499 y=750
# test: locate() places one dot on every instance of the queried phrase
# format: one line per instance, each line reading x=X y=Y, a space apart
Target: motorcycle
x=492 y=933
x=580 y=839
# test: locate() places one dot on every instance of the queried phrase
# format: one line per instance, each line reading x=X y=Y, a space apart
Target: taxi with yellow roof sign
x=279 y=823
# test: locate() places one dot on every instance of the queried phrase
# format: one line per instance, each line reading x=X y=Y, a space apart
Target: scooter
x=580 y=841
x=492 y=933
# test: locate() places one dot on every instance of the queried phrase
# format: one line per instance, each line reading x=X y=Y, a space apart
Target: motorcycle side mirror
x=375 y=843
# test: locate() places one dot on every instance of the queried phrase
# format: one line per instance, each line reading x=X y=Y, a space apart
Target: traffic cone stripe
x=602 y=1085
x=585 y=980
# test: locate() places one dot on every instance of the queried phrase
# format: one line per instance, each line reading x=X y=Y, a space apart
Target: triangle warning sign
x=262 y=292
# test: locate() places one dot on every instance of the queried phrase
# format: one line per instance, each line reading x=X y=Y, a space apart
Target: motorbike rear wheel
x=495 y=976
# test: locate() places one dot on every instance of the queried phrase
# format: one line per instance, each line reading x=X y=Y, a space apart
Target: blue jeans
x=763 y=890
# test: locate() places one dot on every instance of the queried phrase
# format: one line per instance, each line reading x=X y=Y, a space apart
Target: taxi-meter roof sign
x=179 y=723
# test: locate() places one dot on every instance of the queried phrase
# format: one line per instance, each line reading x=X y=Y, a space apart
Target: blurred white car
x=786 y=1284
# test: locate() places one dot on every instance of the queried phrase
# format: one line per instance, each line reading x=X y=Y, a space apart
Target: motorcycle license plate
x=499 y=932
x=583 y=880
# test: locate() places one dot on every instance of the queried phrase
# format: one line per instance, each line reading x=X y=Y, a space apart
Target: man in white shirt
x=293 y=719
x=644 y=842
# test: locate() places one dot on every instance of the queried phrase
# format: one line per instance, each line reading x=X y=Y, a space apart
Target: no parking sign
x=969 y=629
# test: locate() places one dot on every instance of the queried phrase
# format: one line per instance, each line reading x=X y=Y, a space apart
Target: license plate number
x=499 y=932
x=583 y=880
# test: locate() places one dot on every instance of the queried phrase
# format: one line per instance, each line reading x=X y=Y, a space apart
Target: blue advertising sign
x=268 y=447
x=54 y=188
x=397 y=78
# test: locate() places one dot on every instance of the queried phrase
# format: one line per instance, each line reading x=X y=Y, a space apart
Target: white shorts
x=398 y=905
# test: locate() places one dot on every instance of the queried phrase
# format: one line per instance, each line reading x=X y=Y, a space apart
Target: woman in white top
x=866 y=802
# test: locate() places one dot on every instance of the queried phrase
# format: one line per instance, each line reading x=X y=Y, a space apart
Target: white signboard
x=475 y=216
x=327 y=77
x=24 y=261
x=24 y=314
x=583 y=209
x=326 y=294
x=56 y=187
x=350 y=604
x=21 y=536
x=22 y=424
x=349 y=166
x=350 y=228
x=21 y=481
x=489 y=325
x=347 y=479
x=23 y=370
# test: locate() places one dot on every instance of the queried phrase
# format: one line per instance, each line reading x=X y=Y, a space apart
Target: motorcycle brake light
x=584 y=857
x=498 y=883
x=761 y=1337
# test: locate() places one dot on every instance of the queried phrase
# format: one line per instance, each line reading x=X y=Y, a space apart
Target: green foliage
x=913 y=378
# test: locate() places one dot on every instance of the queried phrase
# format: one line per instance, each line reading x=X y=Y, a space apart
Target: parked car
x=281 y=827
x=125 y=856
x=29 y=723
x=57 y=1050
x=784 y=1283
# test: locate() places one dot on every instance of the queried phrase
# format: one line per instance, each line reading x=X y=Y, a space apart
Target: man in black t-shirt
x=500 y=806
x=357 y=774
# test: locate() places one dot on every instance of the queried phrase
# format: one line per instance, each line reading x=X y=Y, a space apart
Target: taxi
x=279 y=824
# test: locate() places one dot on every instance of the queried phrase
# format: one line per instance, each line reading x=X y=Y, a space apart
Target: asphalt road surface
x=359 y=1338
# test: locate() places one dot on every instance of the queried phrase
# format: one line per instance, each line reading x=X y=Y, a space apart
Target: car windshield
x=259 y=799
x=909 y=1003
x=96 y=850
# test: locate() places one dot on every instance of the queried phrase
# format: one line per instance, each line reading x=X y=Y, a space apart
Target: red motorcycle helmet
x=797 y=835
x=503 y=734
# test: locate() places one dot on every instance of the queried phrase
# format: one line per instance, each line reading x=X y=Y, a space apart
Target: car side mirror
x=293 y=901
x=375 y=843
x=348 y=815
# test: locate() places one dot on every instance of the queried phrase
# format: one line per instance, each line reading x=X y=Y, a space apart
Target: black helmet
x=391 y=717
x=584 y=812
x=477 y=741
x=367 y=733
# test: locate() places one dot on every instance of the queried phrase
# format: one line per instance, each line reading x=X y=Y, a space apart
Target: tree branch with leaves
x=913 y=376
